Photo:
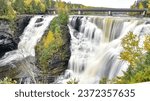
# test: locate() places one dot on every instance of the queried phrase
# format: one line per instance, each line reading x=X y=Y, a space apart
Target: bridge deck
x=106 y=10
x=110 y=10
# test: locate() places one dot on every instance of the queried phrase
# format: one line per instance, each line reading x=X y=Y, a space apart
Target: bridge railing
x=108 y=10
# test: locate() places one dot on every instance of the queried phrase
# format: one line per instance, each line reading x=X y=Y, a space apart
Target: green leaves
x=132 y=52
x=143 y=4
x=51 y=44
x=7 y=80
x=6 y=10
x=139 y=68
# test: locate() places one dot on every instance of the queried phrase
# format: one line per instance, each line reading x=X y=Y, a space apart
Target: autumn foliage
x=138 y=58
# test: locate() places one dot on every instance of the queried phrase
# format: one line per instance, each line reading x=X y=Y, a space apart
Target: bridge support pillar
x=144 y=13
x=80 y=12
x=48 y=12
x=54 y=12
x=110 y=13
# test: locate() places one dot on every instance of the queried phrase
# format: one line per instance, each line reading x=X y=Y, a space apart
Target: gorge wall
x=10 y=32
x=42 y=50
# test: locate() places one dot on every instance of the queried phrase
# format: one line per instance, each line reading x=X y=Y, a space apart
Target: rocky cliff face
x=10 y=32
x=58 y=63
x=53 y=51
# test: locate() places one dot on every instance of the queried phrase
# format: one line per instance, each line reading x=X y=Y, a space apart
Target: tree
x=141 y=6
x=6 y=9
x=132 y=52
x=3 y=7
x=18 y=6
x=11 y=13
x=62 y=10
x=139 y=68
x=48 y=3
x=42 y=7
x=35 y=7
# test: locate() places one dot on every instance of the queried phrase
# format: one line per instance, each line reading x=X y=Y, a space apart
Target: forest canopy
x=142 y=4
x=11 y=8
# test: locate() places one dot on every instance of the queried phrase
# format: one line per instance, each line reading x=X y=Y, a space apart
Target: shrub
x=72 y=81
x=7 y=80
x=139 y=68
x=50 y=44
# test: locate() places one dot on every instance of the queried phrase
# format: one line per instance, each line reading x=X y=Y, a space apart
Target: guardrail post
x=110 y=13
x=143 y=13
x=54 y=12
x=79 y=12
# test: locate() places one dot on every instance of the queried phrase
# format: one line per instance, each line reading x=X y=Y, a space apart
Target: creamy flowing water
x=96 y=45
x=31 y=35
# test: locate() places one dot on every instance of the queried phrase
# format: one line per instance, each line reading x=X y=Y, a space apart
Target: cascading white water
x=31 y=35
x=24 y=55
x=96 y=45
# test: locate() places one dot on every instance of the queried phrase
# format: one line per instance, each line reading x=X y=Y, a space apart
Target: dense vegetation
x=52 y=42
x=138 y=58
x=10 y=8
x=142 y=4
x=7 y=80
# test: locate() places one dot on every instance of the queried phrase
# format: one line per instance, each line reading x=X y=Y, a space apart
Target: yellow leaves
x=58 y=38
x=147 y=43
x=138 y=57
x=27 y=2
x=132 y=52
x=127 y=56
x=48 y=39
x=7 y=80
x=42 y=7
x=37 y=1
x=52 y=38
x=61 y=6
x=141 y=5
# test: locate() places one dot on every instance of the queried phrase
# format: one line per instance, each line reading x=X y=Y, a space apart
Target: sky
x=104 y=3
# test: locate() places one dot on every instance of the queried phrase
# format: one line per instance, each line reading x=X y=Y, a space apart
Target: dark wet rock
x=21 y=23
x=38 y=25
x=10 y=31
x=78 y=23
x=24 y=71
x=7 y=43
x=39 y=20
x=148 y=22
x=59 y=62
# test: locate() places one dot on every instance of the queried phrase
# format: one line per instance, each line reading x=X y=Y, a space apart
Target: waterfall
x=31 y=35
x=96 y=46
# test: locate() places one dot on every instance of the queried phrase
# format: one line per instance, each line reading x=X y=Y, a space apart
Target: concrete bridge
x=110 y=11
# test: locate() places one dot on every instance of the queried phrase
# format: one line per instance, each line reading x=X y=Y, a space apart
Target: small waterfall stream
x=26 y=52
x=96 y=46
